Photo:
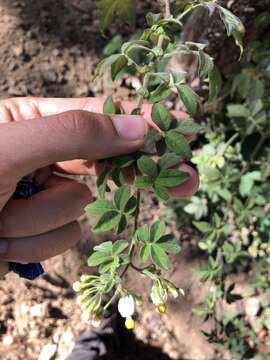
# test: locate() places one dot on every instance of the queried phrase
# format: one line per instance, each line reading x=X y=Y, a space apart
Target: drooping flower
x=159 y=296
x=126 y=308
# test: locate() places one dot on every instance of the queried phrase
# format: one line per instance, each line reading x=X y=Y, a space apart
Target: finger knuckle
x=84 y=126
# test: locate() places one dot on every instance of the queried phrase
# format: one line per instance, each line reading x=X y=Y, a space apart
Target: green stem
x=183 y=14
x=145 y=85
x=115 y=295
x=258 y=146
x=136 y=223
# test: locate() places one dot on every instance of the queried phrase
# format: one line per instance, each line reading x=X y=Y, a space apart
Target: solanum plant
x=166 y=145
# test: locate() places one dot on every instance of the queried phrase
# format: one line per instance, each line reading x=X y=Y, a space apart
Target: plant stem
x=145 y=85
x=136 y=223
x=115 y=295
x=258 y=146
x=167 y=8
x=183 y=14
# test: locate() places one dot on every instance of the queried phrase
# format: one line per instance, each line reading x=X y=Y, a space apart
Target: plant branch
x=187 y=11
x=136 y=223
x=258 y=146
x=167 y=8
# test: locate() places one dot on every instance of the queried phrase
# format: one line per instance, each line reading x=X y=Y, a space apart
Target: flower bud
x=76 y=286
x=96 y=319
x=173 y=291
x=85 y=278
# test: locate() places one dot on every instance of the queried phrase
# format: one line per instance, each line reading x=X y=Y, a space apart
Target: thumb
x=28 y=145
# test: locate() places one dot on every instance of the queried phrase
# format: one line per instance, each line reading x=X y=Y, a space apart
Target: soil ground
x=51 y=48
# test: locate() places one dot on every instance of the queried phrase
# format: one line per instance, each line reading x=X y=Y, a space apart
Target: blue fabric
x=25 y=189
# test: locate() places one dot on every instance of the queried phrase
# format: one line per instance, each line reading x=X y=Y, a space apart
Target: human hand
x=56 y=134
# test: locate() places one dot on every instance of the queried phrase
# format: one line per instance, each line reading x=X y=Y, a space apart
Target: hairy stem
x=258 y=146
x=136 y=224
x=167 y=8
x=145 y=85
x=191 y=8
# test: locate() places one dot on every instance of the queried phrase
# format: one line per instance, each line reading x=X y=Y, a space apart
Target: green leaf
x=203 y=226
x=152 y=18
x=102 y=181
x=169 y=244
x=109 y=106
x=122 y=225
x=123 y=161
x=121 y=197
x=107 y=247
x=215 y=83
x=147 y=166
x=171 y=178
x=189 y=98
x=106 y=266
x=157 y=230
x=169 y=160
x=187 y=127
x=105 y=64
x=124 y=259
x=161 y=93
x=143 y=182
x=161 y=147
x=117 y=177
x=107 y=222
x=99 y=207
x=145 y=252
x=233 y=25
x=178 y=76
x=119 y=246
x=161 y=117
x=98 y=258
x=159 y=257
x=131 y=206
x=142 y=234
x=161 y=192
x=113 y=46
x=151 y=138
x=206 y=63
x=177 y=143
x=247 y=182
x=109 y=10
x=236 y=110
x=118 y=65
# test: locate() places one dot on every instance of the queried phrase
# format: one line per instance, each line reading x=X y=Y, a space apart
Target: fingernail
x=3 y=246
x=130 y=127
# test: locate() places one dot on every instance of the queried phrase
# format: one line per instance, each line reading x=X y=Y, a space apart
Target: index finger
x=23 y=108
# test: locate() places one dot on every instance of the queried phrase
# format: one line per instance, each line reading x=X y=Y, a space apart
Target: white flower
x=76 y=286
x=126 y=306
x=86 y=316
x=159 y=295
